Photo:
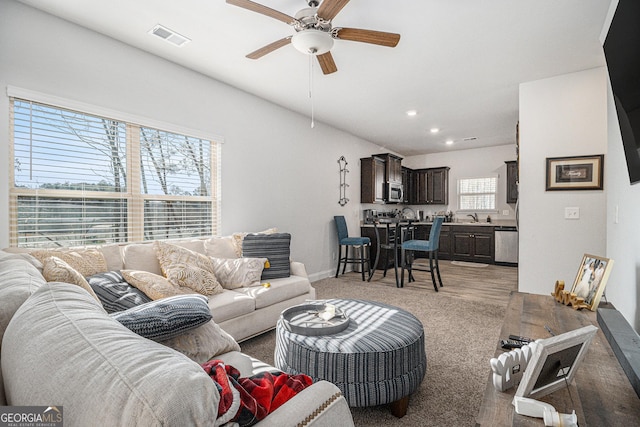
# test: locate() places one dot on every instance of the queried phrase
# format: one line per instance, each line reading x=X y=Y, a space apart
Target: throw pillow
x=154 y=286
x=85 y=261
x=196 y=278
x=238 y=272
x=275 y=247
x=238 y=238
x=184 y=267
x=115 y=293
x=56 y=270
x=203 y=343
x=166 y=318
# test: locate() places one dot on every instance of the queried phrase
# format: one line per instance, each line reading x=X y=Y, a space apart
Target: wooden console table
x=601 y=393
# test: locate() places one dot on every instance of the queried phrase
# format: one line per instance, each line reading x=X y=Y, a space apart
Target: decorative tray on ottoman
x=305 y=319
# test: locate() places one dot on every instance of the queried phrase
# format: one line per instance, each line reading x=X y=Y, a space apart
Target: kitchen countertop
x=496 y=223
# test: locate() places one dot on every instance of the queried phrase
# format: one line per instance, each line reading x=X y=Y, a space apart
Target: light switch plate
x=571 y=213
x=505 y=212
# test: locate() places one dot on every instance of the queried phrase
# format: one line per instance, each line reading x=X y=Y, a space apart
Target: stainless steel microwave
x=393 y=192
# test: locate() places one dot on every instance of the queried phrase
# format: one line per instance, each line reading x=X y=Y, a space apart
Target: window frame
x=135 y=197
x=495 y=195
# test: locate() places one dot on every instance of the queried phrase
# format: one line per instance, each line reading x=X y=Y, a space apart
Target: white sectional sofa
x=60 y=347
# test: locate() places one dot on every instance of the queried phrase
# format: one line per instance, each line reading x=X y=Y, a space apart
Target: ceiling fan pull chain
x=311 y=58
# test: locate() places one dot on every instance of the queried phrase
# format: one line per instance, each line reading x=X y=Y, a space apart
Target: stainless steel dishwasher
x=506 y=245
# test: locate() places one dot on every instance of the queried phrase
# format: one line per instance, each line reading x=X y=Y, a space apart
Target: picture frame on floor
x=591 y=279
x=575 y=173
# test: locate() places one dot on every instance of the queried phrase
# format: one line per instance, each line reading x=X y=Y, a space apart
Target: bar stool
x=351 y=242
x=430 y=246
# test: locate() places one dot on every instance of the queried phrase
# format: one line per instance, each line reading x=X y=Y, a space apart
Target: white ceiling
x=458 y=63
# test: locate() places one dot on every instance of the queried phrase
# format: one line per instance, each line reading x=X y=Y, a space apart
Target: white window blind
x=82 y=179
x=476 y=194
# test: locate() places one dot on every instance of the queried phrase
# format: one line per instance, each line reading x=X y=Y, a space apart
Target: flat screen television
x=622 y=51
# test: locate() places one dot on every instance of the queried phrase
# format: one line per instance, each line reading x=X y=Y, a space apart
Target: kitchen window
x=477 y=194
x=84 y=179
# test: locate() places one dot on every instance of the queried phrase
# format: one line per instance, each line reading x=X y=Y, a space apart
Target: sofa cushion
x=166 y=318
x=230 y=304
x=203 y=343
x=19 y=279
x=87 y=262
x=220 y=247
x=238 y=272
x=113 y=256
x=98 y=370
x=56 y=270
x=141 y=257
x=115 y=293
x=185 y=267
x=279 y=290
x=153 y=285
x=275 y=247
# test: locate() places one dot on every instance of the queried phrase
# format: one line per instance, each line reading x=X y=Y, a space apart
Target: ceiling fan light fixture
x=312 y=42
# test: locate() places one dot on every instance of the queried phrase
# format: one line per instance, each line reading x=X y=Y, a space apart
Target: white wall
x=276 y=170
x=623 y=231
x=472 y=163
x=560 y=116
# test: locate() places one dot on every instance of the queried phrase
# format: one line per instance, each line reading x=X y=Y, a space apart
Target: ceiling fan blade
x=256 y=7
x=269 y=48
x=330 y=8
x=327 y=64
x=368 y=36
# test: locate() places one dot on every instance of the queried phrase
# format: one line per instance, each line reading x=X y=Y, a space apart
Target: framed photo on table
x=575 y=173
x=591 y=279
x=554 y=362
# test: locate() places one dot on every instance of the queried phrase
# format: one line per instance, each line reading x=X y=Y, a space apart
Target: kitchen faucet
x=474 y=216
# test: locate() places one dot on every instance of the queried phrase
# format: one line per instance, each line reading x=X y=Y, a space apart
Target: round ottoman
x=379 y=358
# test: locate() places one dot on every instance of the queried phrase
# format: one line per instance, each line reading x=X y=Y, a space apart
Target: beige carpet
x=461 y=336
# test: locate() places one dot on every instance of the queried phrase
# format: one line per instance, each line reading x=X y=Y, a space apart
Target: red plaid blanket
x=249 y=400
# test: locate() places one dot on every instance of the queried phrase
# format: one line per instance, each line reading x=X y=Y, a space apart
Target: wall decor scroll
x=343 y=181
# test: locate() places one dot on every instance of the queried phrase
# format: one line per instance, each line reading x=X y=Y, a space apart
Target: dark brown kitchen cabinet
x=432 y=186
x=393 y=167
x=473 y=244
x=512 y=181
x=372 y=179
x=407 y=185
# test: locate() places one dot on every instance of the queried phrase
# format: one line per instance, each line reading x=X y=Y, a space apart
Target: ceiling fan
x=314 y=33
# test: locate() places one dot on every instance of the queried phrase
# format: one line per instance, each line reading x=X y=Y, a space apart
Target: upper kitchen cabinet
x=432 y=186
x=394 y=167
x=512 y=181
x=376 y=172
x=408 y=183
x=372 y=179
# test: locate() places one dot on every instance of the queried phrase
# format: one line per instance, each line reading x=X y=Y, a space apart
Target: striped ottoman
x=379 y=358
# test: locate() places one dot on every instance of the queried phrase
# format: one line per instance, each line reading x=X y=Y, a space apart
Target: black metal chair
x=351 y=242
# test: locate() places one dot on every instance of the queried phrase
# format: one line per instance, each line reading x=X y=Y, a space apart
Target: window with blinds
x=81 y=179
x=477 y=194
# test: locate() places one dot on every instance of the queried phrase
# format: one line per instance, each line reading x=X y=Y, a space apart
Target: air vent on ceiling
x=471 y=138
x=169 y=35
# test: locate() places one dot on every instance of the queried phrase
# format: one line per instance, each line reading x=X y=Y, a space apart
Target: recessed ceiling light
x=412 y=113
x=449 y=142
x=434 y=130
x=169 y=35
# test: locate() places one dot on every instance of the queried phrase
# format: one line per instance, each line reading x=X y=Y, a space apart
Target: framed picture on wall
x=575 y=173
